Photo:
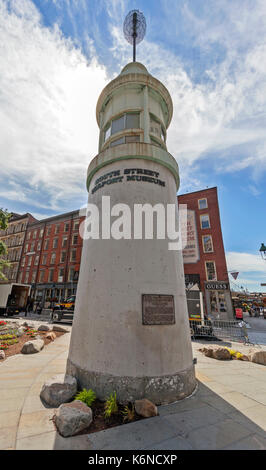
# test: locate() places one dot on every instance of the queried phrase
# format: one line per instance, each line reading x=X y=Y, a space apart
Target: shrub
x=129 y=413
x=86 y=396
x=110 y=406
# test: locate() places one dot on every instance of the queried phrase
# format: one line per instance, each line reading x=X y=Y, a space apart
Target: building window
x=48 y=231
x=157 y=129
x=55 y=242
x=117 y=142
x=61 y=275
x=53 y=256
x=26 y=247
x=71 y=274
x=76 y=225
x=210 y=271
x=73 y=255
x=28 y=235
x=46 y=244
x=57 y=228
x=41 y=233
x=75 y=240
x=33 y=276
x=63 y=256
x=207 y=244
x=39 y=246
x=66 y=228
x=107 y=132
x=125 y=140
x=32 y=246
x=29 y=260
x=202 y=203
x=34 y=234
x=36 y=261
x=23 y=261
x=26 y=278
x=205 y=221
x=41 y=276
x=126 y=121
x=44 y=259
x=64 y=242
x=51 y=275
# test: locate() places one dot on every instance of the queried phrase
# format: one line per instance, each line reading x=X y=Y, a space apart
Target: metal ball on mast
x=134 y=29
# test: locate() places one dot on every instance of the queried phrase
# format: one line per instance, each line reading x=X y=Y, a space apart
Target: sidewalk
x=228 y=410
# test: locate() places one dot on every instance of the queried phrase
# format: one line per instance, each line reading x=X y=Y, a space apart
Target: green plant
x=9 y=342
x=86 y=396
x=110 y=406
x=7 y=336
x=128 y=413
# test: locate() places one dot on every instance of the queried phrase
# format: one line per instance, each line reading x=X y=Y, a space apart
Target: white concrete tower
x=131 y=331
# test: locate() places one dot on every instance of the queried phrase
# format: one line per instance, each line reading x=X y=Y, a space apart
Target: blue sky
x=57 y=55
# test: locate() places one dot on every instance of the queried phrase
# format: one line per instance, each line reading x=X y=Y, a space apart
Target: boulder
x=51 y=335
x=259 y=357
x=33 y=346
x=208 y=352
x=20 y=331
x=221 y=354
x=145 y=408
x=59 y=389
x=60 y=329
x=2 y=354
x=71 y=418
x=44 y=327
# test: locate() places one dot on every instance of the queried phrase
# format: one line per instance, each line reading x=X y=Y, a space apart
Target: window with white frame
x=51 y=275
x=210 y=271
x=73 y=255
x=202 y=203
x=207 y=244
x=205 y=221
x=75 y=239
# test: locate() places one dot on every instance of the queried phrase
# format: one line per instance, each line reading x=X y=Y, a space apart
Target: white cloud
x=227 y=111
x=245 y=262
x=47 y=107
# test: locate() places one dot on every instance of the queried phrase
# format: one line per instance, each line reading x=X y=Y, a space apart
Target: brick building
x=51 y=257
x=204 y=257
x=13 y=238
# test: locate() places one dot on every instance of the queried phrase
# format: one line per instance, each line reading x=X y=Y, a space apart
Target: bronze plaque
x=158 y=309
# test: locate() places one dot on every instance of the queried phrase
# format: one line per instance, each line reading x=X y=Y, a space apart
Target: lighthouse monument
x=130 y=331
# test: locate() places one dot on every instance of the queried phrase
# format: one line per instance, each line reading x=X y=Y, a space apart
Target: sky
x=57 y=55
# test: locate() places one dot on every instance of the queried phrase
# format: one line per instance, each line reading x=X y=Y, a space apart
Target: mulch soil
x=100 y=423
x=16 y=348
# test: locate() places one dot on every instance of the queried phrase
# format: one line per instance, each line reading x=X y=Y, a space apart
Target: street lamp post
x=263 y=251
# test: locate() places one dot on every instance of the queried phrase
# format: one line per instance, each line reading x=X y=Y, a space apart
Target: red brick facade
x=210 y=242
x=51 y=256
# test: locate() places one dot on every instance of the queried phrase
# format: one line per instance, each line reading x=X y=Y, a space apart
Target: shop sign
x=216 y=285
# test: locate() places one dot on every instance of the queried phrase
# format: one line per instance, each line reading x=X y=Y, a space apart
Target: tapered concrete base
x=160 y=390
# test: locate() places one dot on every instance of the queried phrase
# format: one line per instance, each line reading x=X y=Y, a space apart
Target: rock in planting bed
x=13 y=337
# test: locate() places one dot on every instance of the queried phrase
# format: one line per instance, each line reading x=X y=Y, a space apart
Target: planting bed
x=12 y=349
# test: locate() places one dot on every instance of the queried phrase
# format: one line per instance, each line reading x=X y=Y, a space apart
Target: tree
x=4 y=218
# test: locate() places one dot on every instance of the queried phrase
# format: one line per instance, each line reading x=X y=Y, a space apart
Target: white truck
x=13 y=298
